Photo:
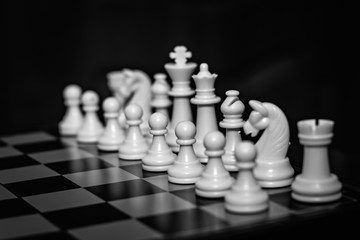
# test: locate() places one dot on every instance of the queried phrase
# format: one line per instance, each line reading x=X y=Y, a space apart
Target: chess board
x=55 y=188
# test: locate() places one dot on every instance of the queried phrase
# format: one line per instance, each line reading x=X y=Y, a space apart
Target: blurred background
x=293 y=54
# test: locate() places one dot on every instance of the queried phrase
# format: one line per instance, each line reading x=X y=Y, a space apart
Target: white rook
x=316 y=183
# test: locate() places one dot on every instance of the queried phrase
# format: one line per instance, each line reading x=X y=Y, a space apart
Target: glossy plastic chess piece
x=316 y=183
x=160 y=156
x=160 y=92
x=232 y=109
x=135 y=146
x=132 y=86
x=92 y=127
x=73 y=118
x=215 y=181
x=246 y=195
x=113 y=134
x=273 y=167
x=187 y=168
x=180 y=73
x=205 y=99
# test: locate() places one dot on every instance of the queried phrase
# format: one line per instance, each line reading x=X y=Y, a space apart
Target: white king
x=179 y=73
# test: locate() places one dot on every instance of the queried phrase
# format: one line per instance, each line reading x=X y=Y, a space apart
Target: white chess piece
x=215 y=181
x=160 y=93
x=316 y=183
x=246 y=195
x=205 y=99
x=92 y=127
x=113 y=134
x=135 y=146
x=273 y=168
x=73 y=118
x=232 y=109
x=132 y=86
x=187 y=168
x=160 y=156
x=180 y=73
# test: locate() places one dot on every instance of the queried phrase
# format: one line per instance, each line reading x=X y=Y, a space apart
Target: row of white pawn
x=212 y=180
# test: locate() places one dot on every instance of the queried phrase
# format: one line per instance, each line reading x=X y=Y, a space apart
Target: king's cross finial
x=180 y=55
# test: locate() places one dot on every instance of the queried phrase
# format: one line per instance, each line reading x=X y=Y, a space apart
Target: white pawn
x=73 y=118
x=113 y=134
x=187 y=168
x=215 y=180
x=91 y=128
x=160 y=156
x=246 y=195
x=135 y=146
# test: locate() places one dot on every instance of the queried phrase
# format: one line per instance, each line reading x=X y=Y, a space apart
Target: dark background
x=294 y=54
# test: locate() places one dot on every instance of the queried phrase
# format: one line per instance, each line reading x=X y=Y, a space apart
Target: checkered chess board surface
x=55 y=188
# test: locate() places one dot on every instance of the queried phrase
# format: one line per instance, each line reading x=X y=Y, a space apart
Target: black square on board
x=136 y=169
x=17 y=161
x=79 y=165
x=190 y=196
x=2 y=144
x=40 y=146
x=126 y=189
x=15 y=207
x=48 y=236
x=186 y=220
x=40 y=186
x=87 y=215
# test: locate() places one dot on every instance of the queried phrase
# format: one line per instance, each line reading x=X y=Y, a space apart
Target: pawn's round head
x=133 y=112
x=72 y=91
x=214 y=141
x=245 y=151
x=185 y=130
x=90 y=98
x=111 y=105
x=158 y=121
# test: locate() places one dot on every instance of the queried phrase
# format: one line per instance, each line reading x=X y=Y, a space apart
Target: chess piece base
x=274 y=174
x=156 y=168
x=239 y=202
x=316 y=191
x=108 y=147
x=131 y=156
x=68 y=131
x=246 y=209
x=178 y=180
x=87 y=139
x=185 y=173
x=133 y=151
x=211 y=194
x=276 y=184
x=158 y=161
x=214 y=186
